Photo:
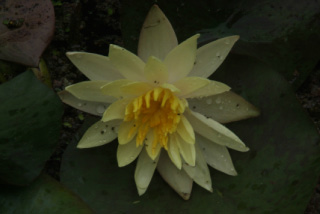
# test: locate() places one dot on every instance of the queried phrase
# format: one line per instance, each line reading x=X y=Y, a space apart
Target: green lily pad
x=30 y=115
x=283 y=34
x=45 y=195
x=277 y=175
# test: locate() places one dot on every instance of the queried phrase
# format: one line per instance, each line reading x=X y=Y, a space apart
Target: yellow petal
x=181 y=59
x=188 y=85
x=212 y=88
x=126 y=132
x=116 y=110
x=90 y=91
x=187 y=150
x=128 y=64
x=152 y=152
x=94 y=66
x=210 y=56
x=127 y=153
x=144 y=171
x=95 y=108
x=155 y=71
x=185 y=130
x=114 y=88
x=216 y=156
x=200 y=172
x=136 y=88
x=99 y=134
x=224 y=108
x=173 y=152
x=177 y=179
x=215 y=132
x=157 y=37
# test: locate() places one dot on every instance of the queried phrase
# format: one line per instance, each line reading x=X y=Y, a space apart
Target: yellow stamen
x=157 y=110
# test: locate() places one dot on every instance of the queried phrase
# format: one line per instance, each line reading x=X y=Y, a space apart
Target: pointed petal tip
x=185 y=196
x=141 y=191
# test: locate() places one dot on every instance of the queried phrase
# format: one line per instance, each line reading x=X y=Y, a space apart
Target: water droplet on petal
x=80 y=104
x=218 y=54
x=221 y=107
x=227 y=42
x=100 y=109
x=209 y=101
x=218 y=100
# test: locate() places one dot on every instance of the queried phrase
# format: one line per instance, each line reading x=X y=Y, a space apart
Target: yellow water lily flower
x=155 y=104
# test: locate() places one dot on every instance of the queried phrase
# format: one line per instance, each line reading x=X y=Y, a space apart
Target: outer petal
x=90 y=91
x=177 y=179
x=224 y=108
x=157 y=37
x=116 y=110
x=99 y=134
x=94 y=66
x=124 y=135
x=188 y=85
x=155 y=71
x=216 y=156
x=128 y=153
x=181 y=59
x=212 y=88
x=144 y=171
x=187 y=150
x=200 y=172
x=173 y=152
x=95 y=108
x=210 y=56
x=128 y=64
x=215 y=132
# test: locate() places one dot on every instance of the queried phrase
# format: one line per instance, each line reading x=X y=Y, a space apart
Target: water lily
x=161 y=106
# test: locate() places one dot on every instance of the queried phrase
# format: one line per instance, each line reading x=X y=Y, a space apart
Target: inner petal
x=158 y=111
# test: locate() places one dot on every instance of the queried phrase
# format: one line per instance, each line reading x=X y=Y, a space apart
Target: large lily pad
x=45 y=195
x=26 y=28
x=284 y=34
x=30 y=115
x=277 y=175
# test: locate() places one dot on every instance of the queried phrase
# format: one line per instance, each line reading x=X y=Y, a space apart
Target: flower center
x=159 y=111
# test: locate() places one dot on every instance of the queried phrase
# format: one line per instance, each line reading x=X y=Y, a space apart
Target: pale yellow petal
x=114 y=88
x=177 y=179
x=173 y=151
x=116 y=110
x=157 y=37
x=200 y=172
x=187 y=150
x=155 y=71
x=216 y=156
x=95 y=108
x=210 y=56
x=213 y=88
x=188 y=85
x=90 y=91
x=144 y=171
x=127 y=153
x=153 y=152
x=215 y=132
x=99 y=134
x=136 y=88
x=181 y=59
x=224 y=108
x=185 y=130
x=94 y=66
x=171 y=87
x=126 y=132
x=128 y=64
